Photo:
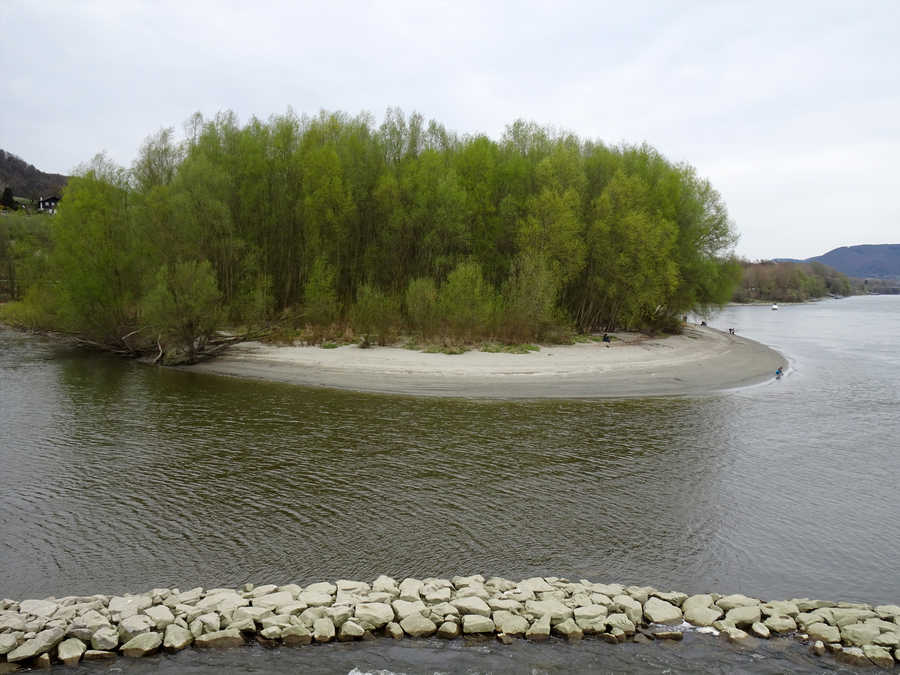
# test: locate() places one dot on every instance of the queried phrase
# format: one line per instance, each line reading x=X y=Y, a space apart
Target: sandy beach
x=702 y=360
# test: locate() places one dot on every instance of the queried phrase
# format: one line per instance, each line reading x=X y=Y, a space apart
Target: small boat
x=775 y=306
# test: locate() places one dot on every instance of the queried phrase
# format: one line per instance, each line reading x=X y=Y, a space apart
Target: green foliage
x=320 y=297
x=788 y=282
x=528 y=306
x=183 y=307
x=466 y=302
x=319 y=216
x=422 y=306
x=375 y=313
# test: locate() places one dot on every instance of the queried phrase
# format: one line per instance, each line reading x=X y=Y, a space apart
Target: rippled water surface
x=120 y=477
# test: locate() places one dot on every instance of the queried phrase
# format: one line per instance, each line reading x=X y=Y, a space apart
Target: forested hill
x=27 y=181
x=867 y=261
x=333 y=221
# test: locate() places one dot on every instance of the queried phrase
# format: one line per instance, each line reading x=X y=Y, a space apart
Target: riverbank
x=39 y=632
x=700 y=361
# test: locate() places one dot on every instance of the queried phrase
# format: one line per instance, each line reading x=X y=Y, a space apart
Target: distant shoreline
x=702 y=360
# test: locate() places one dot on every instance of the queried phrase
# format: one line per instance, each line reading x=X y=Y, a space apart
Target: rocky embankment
x=40 y=632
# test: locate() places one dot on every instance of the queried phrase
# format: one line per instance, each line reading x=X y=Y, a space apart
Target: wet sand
x=700 y=361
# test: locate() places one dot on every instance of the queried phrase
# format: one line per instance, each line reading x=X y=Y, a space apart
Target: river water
x=121 y=477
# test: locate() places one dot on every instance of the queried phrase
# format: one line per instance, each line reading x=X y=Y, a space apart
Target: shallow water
x=118 y=476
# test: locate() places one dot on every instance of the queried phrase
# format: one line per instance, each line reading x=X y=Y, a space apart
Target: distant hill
x=27 y=181
x=867 y=261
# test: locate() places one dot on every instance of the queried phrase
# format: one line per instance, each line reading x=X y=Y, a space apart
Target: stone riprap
x=38 y=632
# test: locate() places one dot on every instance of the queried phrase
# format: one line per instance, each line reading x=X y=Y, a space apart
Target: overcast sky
x=790 y=109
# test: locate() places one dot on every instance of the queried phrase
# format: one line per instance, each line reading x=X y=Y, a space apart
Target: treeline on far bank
x=772 y=281
x=338 y=225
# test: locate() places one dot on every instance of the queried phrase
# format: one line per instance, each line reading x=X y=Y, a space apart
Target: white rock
x=509 y=623
x=403 y=608
x=44 y=608
x=660 y=611
x=122 y=607
x=729 y=602
x=142 y=645
x=323 y=630
x=177 y=638
x=105 y=639
x=315 y=598
x=475 y=623
x=230 y=637
x=535 y=585
x=274 y=600
x=7 y=643
x=134 y=625
x=375 y=613
x=70 y=651
x=161 y=615
x=743 y=616
x=416 y=625
x=552 y=608
x=410 y=589
x=472 y=605
x=628 y=606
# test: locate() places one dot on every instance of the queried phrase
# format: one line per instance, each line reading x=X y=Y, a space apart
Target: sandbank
x=700 y=361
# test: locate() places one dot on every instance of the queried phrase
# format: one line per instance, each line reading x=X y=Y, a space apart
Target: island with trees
x=331 y=226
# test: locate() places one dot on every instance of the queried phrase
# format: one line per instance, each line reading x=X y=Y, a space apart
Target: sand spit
x=700 y=361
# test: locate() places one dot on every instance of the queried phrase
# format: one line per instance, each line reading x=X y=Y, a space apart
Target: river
x=121 y=477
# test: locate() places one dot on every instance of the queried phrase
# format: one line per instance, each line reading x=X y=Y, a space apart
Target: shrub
x=466 y=302
x=422 y=305
x=375 y=313
x=319 y=296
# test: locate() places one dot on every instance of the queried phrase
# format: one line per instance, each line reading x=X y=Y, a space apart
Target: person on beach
x=606 y=339
x=778 y=373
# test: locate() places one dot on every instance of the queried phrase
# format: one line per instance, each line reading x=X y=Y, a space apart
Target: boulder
x=476 y=623
x=734 y=634
x=7 y=643
x=509 y=623
x=675 y=635
x=888 y=611
x=859 y=634
x=315 y=598
x=142 y=645
x=850 y=615
x=162 y=616
x=743 y=616
x=105 y=639
x=416 y=625
x=660 y=611
x=817 y=648
x=410 y=590
x=376 y=614
x=554 y=609
x=589 y=612
x=540 y=629
x=438 y=595
x=824 y=632
x=535 y=585
x=256 y=614
x=383 y=584
x=672 y=597
x=70 y=651
x=640 y=593
x=323 y=630
x=880 y=656
x=628 y=606
x=702 y=616
x=12 y=622
x=274 y=600
x=41 y=643
x=393 y=630
x=403 y=608
x=569 y=630
x=134 y=625
x=759 y=630
x=729 y=602
x=230 y=637
x=472 y=605
x=448 y=630
x=296 y=635
x=98 y=655
x=853 y=656
x=781 y=624
x=186 y=598
x=270 y=634
x=177 y=638
x=350 y=630
x=622 y=622
x=42 y=662
x=43 y=608
x=887 y=639
x=780 y=608
x=121 y=607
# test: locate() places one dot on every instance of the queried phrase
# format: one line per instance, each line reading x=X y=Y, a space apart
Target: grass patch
x=329 y=345
x=499 y=348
